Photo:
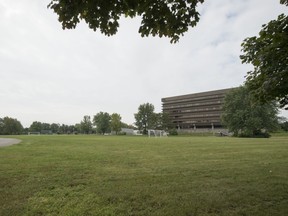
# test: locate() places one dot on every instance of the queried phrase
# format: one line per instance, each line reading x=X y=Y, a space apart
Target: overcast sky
x=57 y=76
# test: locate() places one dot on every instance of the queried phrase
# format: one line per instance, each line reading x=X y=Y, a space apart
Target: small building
x=196 y=111
x=129 y=131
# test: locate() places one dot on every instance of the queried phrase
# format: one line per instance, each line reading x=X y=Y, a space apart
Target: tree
x=284 y=2
x=169 y=18
x=145 y=118
x=35 y=127
x=10 y=126
x=54 y=127
x=116 y=122
x=125 y=125
x=283 y=123
x=284 y=126
x=164 y=121
x=77 y=128
x=46 y=126
x=245 y=117
x=86 y=125
x=102 y=122
x=1 y=126
x=268 y=53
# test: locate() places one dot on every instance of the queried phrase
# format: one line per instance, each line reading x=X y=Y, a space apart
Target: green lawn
x=177 y=176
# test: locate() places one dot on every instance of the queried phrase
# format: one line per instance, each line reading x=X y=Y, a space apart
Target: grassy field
x=177 y=176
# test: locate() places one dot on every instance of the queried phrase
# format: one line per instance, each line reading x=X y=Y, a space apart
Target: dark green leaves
x=268 y=53
x=243 y=116
x=285 y=2
x=102 y=122
x=169 y=18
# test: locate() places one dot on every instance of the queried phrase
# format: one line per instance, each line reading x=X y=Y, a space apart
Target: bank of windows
x=197 y=124
x=192 y=104
x=215 y=108
x=197 y=116
x=200 y=121
x=186 y=112
x=197 y=102
x=194 y=98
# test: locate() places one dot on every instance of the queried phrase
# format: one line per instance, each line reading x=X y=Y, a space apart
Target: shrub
x=173 y=132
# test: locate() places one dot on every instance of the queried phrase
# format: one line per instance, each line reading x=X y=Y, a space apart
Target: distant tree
x=67 y=129
x=77 y=128
x=46 y=126
x=268 y=53
x=116 y=122
x=35 y=127
x=1 y=126
x=145 y=117
x=163 y=121
x=102 y=122
x=10 y=126
x=245 y=117
x=86 y=125
x=284 y=126
x=55 y=127
x=163 y=18
x=71 y=129
x=25 y=130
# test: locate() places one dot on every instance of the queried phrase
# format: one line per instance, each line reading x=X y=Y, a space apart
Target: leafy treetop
x=268 y=53
x=285 y=2
x=169 y=18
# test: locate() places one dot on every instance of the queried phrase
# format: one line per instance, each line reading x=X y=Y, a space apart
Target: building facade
x=194 y=111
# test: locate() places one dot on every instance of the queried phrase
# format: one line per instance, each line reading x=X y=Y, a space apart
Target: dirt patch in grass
x=8 y=141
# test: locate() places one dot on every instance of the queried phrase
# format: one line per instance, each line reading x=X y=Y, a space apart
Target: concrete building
x=195 y=111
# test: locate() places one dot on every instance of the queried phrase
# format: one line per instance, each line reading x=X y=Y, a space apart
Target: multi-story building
x=199 y=110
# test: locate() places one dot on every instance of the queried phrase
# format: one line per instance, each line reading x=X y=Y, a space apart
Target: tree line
x=242 y=115
x=145 y=119
x=101 y=123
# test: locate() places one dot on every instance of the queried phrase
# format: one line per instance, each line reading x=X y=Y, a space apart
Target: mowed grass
x=112 y=175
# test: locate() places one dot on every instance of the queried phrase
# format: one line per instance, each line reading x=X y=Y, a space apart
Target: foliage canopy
x=102 y=122
x=145 y=117
x=10 y=126
x=245 y=117
x=116 y=122
x=169 y=18
x=268 y=53
x=86 y=124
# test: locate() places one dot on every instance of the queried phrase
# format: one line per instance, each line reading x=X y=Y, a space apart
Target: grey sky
x=58 y=76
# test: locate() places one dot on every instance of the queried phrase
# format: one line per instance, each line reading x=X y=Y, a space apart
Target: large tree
x=102 y=122
x=169 y=18
x=10 y=126
x=268 y=53
x=145 y=117
x=245 y=117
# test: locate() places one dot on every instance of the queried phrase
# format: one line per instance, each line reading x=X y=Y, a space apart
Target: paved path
x=8 y=141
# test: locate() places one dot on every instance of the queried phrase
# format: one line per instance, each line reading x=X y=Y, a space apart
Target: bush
x=256 y=134
x=173 y=132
